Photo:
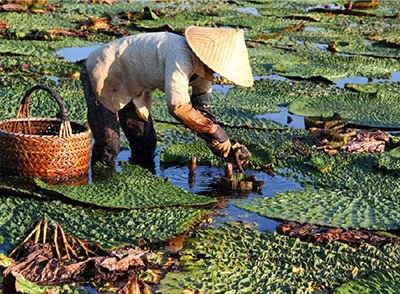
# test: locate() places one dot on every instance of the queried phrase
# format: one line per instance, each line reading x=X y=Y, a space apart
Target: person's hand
x=242 y=153
x=237 y=153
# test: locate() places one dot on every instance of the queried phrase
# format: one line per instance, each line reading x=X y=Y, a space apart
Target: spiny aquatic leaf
x=390 y=161
x=42 y=105
x=387 y=282
x=134 y=188
x=385 y=87
x=332 y=208
x=238 y=259
x=370 y=109
x=107 y=228
x=318 y=64
x=25 y=286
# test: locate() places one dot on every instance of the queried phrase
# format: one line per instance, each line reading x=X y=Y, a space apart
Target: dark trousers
x=105 y=126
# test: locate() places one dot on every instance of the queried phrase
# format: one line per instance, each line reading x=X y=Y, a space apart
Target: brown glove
x=194 y=120
x=223 y=148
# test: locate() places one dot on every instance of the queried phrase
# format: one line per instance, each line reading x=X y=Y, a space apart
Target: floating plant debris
x=351 y=140
x=40 y=261
x=309 y=232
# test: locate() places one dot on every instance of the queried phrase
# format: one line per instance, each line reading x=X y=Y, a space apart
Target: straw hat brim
x=222 y=50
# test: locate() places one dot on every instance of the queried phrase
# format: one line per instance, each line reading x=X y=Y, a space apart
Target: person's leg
x=104 y=126
x=141 y=135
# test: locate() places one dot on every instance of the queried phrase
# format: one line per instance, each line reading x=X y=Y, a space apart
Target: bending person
x=119 y=77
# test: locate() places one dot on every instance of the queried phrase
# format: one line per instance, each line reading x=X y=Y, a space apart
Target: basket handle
x=23 y=111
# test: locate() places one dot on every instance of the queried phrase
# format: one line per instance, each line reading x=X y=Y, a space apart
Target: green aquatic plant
x=369 y=109
x=239 y=259
x=135 y=187
x=390 y=161
x=353 y=178
x=318 y=64
x=25 y=286
x=334 y=208
x=107 y=228
x=385 y=87
x=41 y=49
x=378 y=283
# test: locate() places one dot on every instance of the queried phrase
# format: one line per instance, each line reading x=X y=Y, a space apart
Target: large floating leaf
x=330 y=208
x=390 y=161
x=319 y=64
x=370 y=109
x=247 y=261
x=107 y=228
x=387 y=282
x=135 y=187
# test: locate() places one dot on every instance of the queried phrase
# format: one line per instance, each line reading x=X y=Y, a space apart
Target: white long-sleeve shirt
x=130 y=68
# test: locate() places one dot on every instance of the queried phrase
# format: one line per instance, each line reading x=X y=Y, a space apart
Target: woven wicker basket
x=43 y=147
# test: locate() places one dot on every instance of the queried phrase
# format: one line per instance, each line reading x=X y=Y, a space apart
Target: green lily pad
x=387 y=282
x=135 y=187
x=238 y=259
x=368 y=109
x=108 y=228
x=390 y=161
x=318 y=64
x=334 y=208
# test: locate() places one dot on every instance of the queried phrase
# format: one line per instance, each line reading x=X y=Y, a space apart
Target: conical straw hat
x=222 y=50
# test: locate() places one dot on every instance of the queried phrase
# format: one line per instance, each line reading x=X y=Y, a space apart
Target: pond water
x=53 y=78
x=394 y=77
x=206 y=183
x=326 y=6
x=314 y=29
x=249 y=10
x=74 y=54
x=284 y=117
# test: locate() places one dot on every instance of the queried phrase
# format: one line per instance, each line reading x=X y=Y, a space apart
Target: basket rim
x=87 y=129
